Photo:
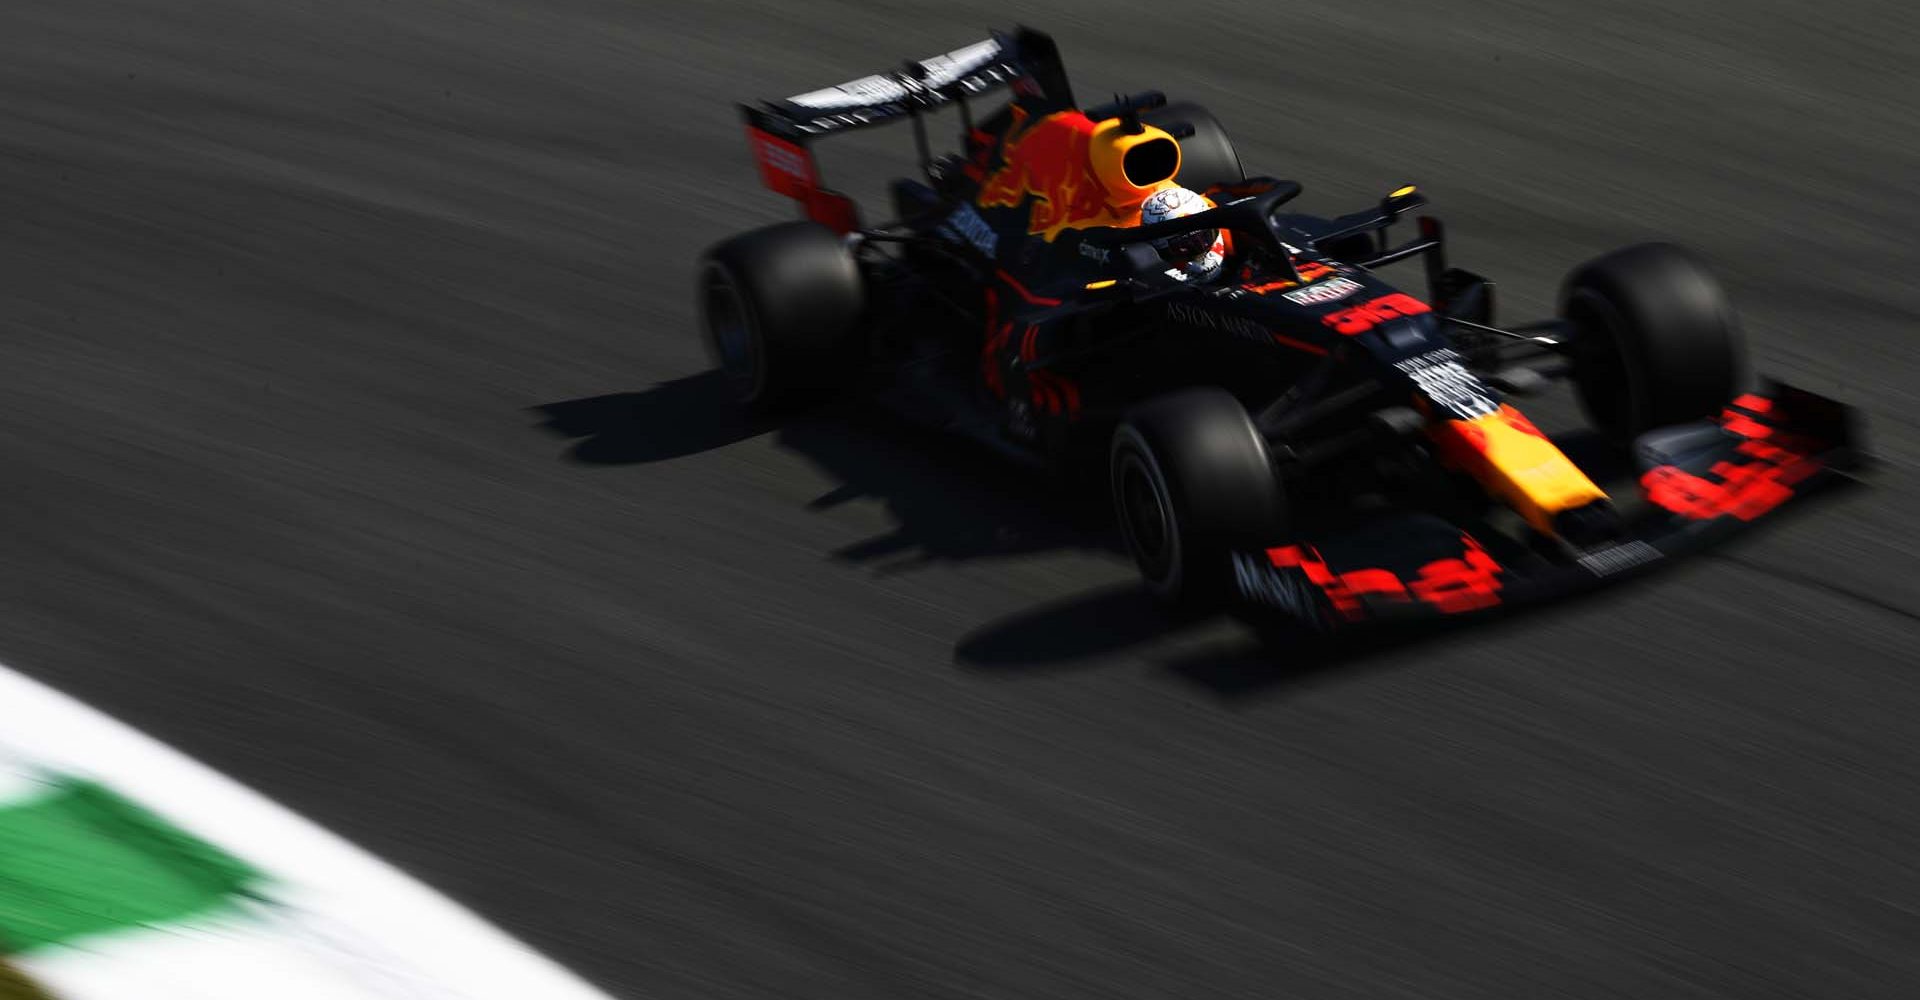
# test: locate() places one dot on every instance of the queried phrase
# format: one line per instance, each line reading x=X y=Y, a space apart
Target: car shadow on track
x=947 y=500
x=1069 y=633
x=674 y=419
x=1266 y=658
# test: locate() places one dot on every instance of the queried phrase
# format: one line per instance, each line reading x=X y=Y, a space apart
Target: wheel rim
x=1146 y=516
x=730 y=331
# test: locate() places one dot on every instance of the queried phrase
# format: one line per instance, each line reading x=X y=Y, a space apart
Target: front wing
x=1701 y=483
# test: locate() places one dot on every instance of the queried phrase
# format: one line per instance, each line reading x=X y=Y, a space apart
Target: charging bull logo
x=1051 y=161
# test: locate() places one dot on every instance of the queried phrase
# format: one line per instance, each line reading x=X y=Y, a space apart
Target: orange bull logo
x=1052 y=161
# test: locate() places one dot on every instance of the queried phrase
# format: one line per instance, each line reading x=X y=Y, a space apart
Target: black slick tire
x=780 y=309
x=1191 y=481
x=1656 y=342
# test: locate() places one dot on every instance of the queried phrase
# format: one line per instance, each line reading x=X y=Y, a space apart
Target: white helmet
x=1195 y=255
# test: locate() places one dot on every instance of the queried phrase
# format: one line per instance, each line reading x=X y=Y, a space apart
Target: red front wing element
x=1414 y=564
x=1761 y=467
x=1702 y=482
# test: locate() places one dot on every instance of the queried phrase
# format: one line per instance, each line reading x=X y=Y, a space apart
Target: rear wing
x=780 y=131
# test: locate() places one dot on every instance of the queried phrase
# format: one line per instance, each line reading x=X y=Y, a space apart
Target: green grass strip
x=81 y=860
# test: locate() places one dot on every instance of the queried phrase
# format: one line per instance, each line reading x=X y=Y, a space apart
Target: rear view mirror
x=1400 y=200
x=1139 y=260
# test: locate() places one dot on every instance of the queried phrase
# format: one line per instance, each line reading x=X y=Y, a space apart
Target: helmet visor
x=1186 y=246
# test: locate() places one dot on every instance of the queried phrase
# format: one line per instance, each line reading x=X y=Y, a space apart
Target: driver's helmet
x=1193 y=256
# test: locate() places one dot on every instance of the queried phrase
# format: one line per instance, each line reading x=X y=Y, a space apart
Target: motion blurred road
x=357 y=442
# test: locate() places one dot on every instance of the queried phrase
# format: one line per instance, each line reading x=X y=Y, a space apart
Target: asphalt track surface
x=357 y=442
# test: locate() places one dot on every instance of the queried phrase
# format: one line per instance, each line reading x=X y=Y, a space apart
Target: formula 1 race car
x=1296 y=433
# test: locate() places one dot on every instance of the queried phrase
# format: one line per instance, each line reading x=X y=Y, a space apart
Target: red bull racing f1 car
x=1297 y=433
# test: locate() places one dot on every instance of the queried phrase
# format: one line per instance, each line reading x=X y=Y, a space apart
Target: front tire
x=781 y=309
x=1656 y=340
x=1191 y=480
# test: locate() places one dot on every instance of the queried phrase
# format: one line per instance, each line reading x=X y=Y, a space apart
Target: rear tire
x=1656 y=340
x=1207 y=157
x=781 y=308
x=1191 y=480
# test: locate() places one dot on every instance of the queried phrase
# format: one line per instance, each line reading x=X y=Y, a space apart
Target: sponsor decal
x=1373 y=312
x=1259 y=581
x=1092 y=252
x=1619 y=558
x=785 y=167
x=1330 y=290
x=1441 y=377
x=1048 y=161
x=950 y=67
x=867 y=90
x=966 y=225
x=1239 y=326
x=784 y=159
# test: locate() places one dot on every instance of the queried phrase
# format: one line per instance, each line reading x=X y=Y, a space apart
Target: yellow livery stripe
x=1516 y=463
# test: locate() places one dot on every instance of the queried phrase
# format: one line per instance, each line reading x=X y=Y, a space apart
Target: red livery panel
x=1356 y=320
x=1470 y=581
x=1758 y=474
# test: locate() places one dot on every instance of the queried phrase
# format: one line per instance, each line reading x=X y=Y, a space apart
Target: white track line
x=345 y=902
